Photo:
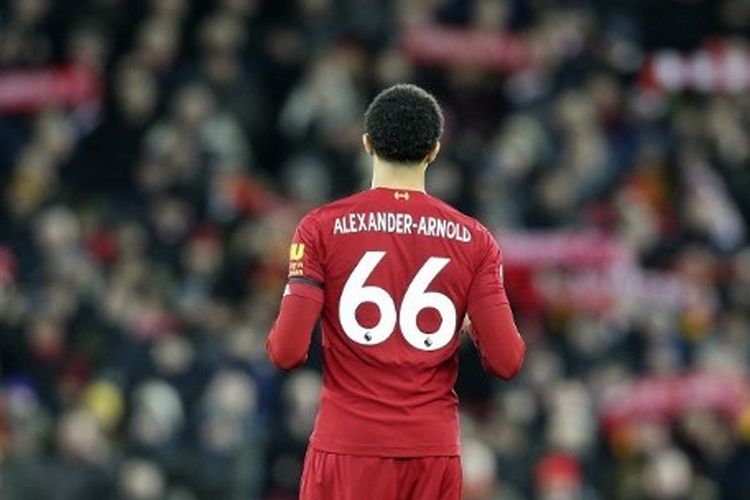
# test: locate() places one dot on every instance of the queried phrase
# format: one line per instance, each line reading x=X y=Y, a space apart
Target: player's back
x=397 y=268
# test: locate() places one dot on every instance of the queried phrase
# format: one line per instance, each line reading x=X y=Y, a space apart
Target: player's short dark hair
x=403 y=122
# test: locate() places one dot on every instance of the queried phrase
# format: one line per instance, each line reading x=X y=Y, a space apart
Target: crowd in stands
x=151 y=183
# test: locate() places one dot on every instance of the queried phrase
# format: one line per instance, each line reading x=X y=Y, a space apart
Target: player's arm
x=491 y=324
x=289 y=339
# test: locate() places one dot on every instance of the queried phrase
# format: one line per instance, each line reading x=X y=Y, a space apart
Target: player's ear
x=433 y=153
x=367 y=144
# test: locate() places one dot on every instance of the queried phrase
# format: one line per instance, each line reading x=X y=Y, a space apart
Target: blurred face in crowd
x=158 y=43
x=135 y=92
x=80 y=438
x=89 y=46
x=158 y=414
x=243 y=8
x=192 y=106
x=30 y=12
x=141 y=480
x=170 y=9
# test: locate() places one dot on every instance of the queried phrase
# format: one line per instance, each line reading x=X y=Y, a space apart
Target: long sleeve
x=289 y=339
x=495 y=335
x=492 y=327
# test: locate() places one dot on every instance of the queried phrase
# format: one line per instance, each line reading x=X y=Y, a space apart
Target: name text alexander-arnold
x=401 y=223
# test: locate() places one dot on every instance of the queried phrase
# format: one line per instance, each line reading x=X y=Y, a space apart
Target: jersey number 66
x=415 y=299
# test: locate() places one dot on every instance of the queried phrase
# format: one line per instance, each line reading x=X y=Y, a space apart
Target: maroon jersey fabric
x=396 y=272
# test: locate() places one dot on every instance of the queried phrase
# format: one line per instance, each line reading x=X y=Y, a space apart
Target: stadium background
x=156 y=155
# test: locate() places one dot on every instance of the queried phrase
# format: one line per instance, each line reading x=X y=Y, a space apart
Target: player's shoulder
x=477 y=228
x=318 y=215
x=451 y=210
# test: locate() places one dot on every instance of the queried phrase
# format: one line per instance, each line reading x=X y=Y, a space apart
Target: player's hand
x=467 y=326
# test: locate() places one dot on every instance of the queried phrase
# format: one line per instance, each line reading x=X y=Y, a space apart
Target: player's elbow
x=288 y=364
x=515 y=366
x=284 y=359
x=510 y=364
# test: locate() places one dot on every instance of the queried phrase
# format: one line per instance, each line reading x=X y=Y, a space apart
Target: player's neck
x=389 y=175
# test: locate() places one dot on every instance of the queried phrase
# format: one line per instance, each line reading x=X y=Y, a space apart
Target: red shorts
x=331 y=476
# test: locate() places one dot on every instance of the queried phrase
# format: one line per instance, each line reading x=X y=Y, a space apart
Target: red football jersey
x=399 y=271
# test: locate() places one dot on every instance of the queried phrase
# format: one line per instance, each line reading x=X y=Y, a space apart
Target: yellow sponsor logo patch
x=296 y=251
